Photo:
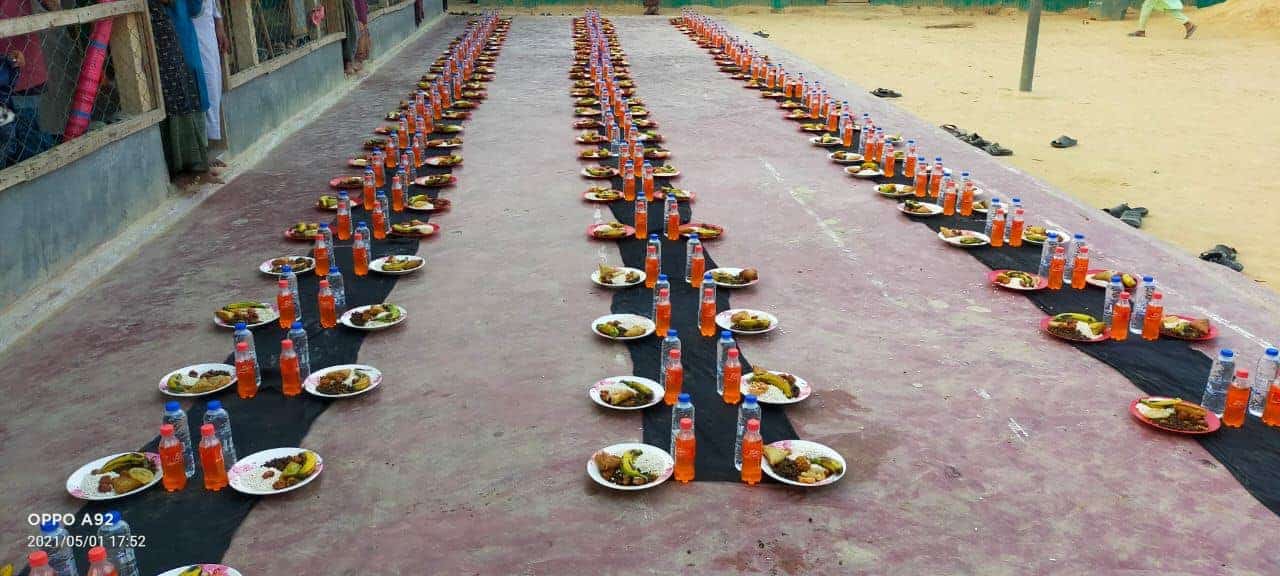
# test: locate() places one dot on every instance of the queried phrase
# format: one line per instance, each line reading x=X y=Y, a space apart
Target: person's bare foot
x=1138 y=34
x=1191 y=29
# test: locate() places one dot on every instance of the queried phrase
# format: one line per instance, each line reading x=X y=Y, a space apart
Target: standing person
x=182 y=85
x=27 y=77
x=213 y=43
x=1173 y=7
x=651 y=7
x=351 y=43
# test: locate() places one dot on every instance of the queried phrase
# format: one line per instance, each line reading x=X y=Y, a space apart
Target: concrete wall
x=391 y=28
x=49 y=222
x=258 y=106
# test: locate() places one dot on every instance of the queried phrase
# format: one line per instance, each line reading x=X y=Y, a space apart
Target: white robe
x=211 y=60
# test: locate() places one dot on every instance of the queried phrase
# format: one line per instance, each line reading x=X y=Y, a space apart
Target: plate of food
x=826 y=141
x=1174 y=415
x=746 y=321
x=274 y=471
x=443 y=143
x=773 y=94
x=622 y=326
x=921 y=209
x=645 y=123
x=384 y=130
x=198 y=380
x=843 y=157
x=981 y=206
x=374 y=143
x=630 y=466
x=602 y=194
x=436 y=180
x=1187 y=328
x=704 y=230
x=374 y=316
x=588 y=101
x=963 y=238
x=626 y=393
x=1100 y=278
x=617 y=276
x=638 y=112
x=772 y=387
x=665 y=171
x=397 y=265
x=681 y=194
x=610 y=231
x=454 y=115
x=789 y=105
x=444 y=161
x=330 y=202
x=253 y=314
x=275 y=266
x=1076 y=327
x=425 y=203
x=1017 y=280
x=475 y=94
x=594 y=153
x=895 y=190
x=358 y=162
x=865 y=170
x=1038 y=234
x=461 y=105
x=586 y=112
x=448 y=128
x=813 y=127
x=802 y=463
x=302 y=232
x=115 y=476
x=656 y=153
x=648 y=136
x=586 y=124
x=727 y=277
x=342 y=381
x=202 y=570
x=600 y=172
x=415 y=229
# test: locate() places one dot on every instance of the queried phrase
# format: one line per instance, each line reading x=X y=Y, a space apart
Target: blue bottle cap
x=749 y=399
x=672 y=333
x=286 y=269
x=964 y=174
x=297 y=325
x=324 y=225
x=726 y=335
x=684 y=397
x=937 y=159
x=1148 y=279
x=361 y=224
x=662 y=277
x=1227 y=352
x=342 y=194
x=213 y=405
x=172 y=406
x=49 y=526
x=111 y=517
x=241 y=326
x=653 y=236
x=706 y=276
x=333 y=269
x=1273 y=352
x=1115 y=278
x=692 y=235
x=1078 y=235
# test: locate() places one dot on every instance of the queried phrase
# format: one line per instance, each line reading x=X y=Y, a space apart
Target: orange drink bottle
x=1153 y=317
x=397 y=192
x=890 y=162
x=642 y=218
x=1056 y=265
x=662 y=311
x=389 y=152
x=369 y=187
x=997 y=230
x=673 y=218
x=909 y=162
x=1080 y=269
x=211 y=460
x=686 y=450
x=1120 y=312
x=846 y=131
x=411 y=121
x=697 y=267
x=833 y=120
x=284 y=302
x=1271 y=411
x=1237 y=400
x=360 y=252
x=328 y=308
x=344 y=216
x=321 y=254
x=246 y=371
x=752 y=453
x=648 y=173
x=922 y=180
x=173 y=464
x=675 y=376
x=707 y=312
x=428 y=115
x=949 y=198
x=1015 y=238
x=731 y=377
x=966 y=196
x=878 y=145
x=628 y=180
x=651 y=268
x=402 y=128
x=290 y=376
x=379 y=221
x=935 y=177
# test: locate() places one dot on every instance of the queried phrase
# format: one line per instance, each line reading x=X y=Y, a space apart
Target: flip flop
x=975 y=140
x=1064 y=141
x=1190 y=32
x=1224 y=255
x=1137 y=34
x=995 y=149
x=886 y=93
x=1118 y=210
x=1132 y=218
x=760 y=33
x=953 y=130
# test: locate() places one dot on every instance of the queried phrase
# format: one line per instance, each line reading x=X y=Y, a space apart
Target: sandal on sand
x=1224 y=255
x=975 y=140
x=1138 y=34
x=760 y=33
x=995 y=149
x=1118 y=210
x=1133 y=217
x=886 y=93
x=1190 y=30
x=953 y=130
x=1064 y=141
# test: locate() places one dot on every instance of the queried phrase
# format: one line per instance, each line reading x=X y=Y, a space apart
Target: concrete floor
x=1000 y=454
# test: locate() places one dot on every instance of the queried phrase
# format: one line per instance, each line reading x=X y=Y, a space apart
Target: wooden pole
x=1029 y=45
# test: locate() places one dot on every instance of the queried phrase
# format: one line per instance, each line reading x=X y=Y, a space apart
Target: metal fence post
x=1029 y=46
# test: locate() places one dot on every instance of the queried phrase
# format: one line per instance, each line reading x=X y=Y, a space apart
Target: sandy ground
x=1184 y=128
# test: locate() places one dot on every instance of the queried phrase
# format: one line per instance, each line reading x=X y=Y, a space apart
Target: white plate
x=657 y=389
x=955 y=241
x=590 y=175
x=722 y=320
x=595 y=277
x=618 y=450
x=832 y=157
x=345 y=320
x=734 y=271
x=76 y=480
x=864 y=173
x=817 y=141
x=271 y=315
x=805 y=389
x=1061 y=234
x=627 y=319
x=376 y=266
x=934 y=210
x=899 y=191
x=806 y=447
x=313 y=380
x=199 y=368
x=249 y=464
x=410 y=208
x=178 y=571
x=265 y=267
x=667 y=175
